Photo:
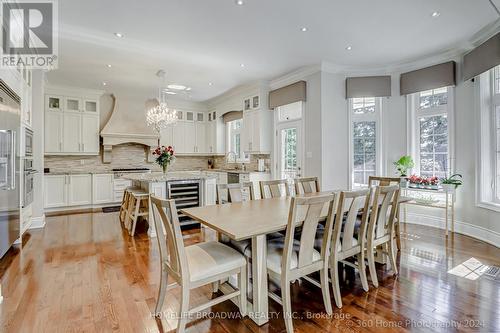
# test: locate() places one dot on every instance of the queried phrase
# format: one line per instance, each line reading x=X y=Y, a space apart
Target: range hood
x=126 y=126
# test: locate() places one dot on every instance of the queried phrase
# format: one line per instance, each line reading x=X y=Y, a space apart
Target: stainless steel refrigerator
x=10 y=196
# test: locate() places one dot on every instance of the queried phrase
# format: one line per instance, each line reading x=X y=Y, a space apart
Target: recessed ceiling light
x=436 y=14
x=104 y=83
x=109 y=66
x=349 y=48
x=118 y=34
x=170 y=92
x=303 y=29
x=242 y=65
x=176 y=87
x=188 y=89
x=210 y=84
x=239 y=2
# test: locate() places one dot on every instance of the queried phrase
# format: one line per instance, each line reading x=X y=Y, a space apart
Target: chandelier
x=161 y=116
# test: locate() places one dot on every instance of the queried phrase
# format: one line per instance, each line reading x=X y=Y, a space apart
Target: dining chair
x=274 y=188
x=294 y=259
x=193 y=266
x=381 y=227
x=306 y=185
x=388 y=181
x=348 y=237
x=235 y=192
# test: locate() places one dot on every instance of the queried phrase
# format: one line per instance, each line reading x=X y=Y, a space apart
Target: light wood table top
x=250 y=218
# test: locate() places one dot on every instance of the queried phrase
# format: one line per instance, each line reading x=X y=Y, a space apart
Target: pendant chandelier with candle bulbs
x=161 y=116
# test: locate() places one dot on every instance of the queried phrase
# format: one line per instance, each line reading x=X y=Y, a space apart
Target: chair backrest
x=169 y=236
x=306 y=185
x=351 y=203
x=307 y=212
x=383 y=215
x=383 y=181
x=274 y=188
x=235 y=192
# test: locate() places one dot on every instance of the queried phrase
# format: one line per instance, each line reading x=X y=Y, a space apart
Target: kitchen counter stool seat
x=125 y=201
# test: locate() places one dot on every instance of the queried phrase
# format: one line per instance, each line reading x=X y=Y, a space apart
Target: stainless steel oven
x=29 y=180
x=28 y=142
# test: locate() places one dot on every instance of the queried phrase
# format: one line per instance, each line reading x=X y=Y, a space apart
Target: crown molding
x=65 y=90
x=294 y=76
x=244 y=89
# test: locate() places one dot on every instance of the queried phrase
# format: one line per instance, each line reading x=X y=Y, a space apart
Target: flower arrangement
x=164 y=156
x=424 y=182
x=451 y=183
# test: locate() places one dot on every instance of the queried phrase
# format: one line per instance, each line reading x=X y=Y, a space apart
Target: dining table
x=254 y=219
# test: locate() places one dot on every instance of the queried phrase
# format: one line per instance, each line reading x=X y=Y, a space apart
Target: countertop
x=154 y=177
x=237 y=171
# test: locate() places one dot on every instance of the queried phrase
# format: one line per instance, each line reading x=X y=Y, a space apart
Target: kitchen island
x=174 y=185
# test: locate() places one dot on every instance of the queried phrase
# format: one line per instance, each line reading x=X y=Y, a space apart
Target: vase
x=165 y=168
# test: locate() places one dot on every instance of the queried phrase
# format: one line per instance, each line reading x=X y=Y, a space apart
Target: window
x=489 y=153
x=365 y=139
x=234 y=135
x=430 y=142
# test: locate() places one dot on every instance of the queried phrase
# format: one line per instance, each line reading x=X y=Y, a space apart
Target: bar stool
x=125 y=201
x=138 y=205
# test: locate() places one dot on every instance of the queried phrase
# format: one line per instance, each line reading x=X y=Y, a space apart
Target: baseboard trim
x=37 y=222
x=461 y=227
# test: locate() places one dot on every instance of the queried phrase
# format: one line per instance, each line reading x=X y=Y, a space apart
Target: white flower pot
x=449 y=188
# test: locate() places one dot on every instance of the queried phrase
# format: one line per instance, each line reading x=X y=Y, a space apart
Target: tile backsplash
x=133 y=155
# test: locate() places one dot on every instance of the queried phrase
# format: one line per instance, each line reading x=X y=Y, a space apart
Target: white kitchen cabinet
x=210 y=191
x=103 y=189
x=79 y=190
x=256 y=134
x=71 y=132
x=53 y=131
x=119 y=187
x=89 y=133
x=167 y=136
x=55 y=191
x=178 y=138
x=189 y=137
x=71 y=121
x=201 y=145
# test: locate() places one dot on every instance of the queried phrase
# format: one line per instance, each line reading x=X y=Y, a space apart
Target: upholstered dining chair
x=294 y=259
x=195 y=265
x=274 y=188
x=381 y=227
x=348 y=238
x=389 y=181
x=306 y=185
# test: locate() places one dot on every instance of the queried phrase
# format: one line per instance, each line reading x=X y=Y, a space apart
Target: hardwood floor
x=83 y=273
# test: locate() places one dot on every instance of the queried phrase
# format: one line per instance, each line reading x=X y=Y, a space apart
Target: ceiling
x=199 y=42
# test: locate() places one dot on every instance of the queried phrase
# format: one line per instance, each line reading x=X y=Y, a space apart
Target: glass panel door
x=289 y=150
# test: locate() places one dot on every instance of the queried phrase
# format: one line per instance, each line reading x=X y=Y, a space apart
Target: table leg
x=260 y=311
x=446 y=216
x=151 y=229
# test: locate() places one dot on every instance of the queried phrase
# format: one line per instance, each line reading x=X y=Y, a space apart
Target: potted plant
x=164 y=156
x=451 y=183
x=433 y=183
x=404 y=164
x=415 y=181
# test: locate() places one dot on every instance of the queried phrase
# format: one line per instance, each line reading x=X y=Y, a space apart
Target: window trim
x=377 y=117
x=486 y=165
x=413 y=127
x=229 y=141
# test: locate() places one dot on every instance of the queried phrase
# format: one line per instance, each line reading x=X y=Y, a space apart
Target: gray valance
x=290 y=94
x=232 y=115
x=482 y=58
x=433 y=77
x=368 y=86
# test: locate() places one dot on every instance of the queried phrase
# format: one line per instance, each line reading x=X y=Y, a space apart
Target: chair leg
x=362 y=270
x=242 y=286
x=287 y=304
x=398 y=235
x=136 y=215
x=325 y=289
x=161 y=292
x=371 y=266
x=334 y=272
x=184 y=310
x=130 y=208
x=215 y=286
x=392 y=256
